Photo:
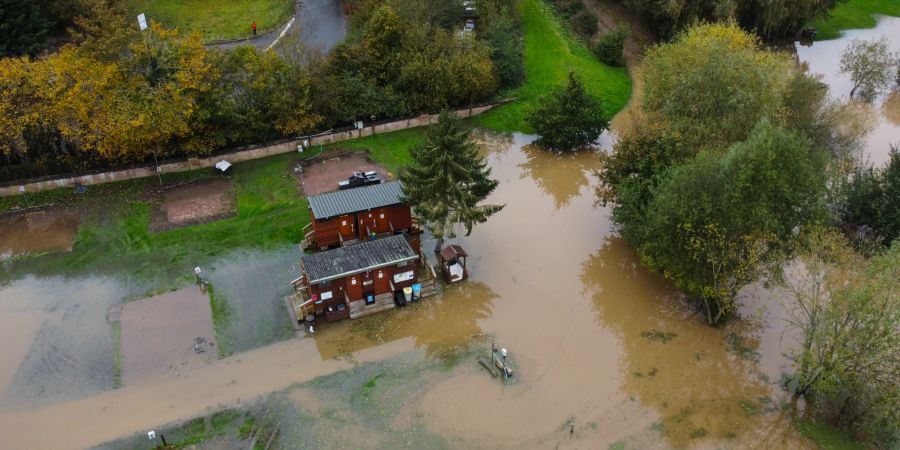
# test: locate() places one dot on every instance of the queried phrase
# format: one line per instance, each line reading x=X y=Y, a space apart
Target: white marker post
x=24 y=196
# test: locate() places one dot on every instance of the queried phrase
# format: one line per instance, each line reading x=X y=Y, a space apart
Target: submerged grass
x=550 y=53
x=114 y=236
x=853 y=14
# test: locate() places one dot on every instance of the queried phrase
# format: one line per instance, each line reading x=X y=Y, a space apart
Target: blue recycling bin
x=416 y=290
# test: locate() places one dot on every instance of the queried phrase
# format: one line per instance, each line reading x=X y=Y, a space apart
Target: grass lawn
x=550 y=53
x=114 y=237
x=853 y=14
x=216 y=19
x=827 y=437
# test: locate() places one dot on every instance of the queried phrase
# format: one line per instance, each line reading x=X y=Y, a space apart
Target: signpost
x=142 y=21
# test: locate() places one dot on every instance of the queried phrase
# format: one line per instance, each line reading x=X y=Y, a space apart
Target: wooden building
x=358 y=279
x=347 y=216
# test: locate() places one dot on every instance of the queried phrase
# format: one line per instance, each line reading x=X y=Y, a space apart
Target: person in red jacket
x=253 y=27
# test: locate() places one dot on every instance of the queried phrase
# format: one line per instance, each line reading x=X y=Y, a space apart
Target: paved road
x=322 y=25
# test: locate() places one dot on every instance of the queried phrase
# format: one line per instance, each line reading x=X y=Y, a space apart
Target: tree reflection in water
x=675 y=363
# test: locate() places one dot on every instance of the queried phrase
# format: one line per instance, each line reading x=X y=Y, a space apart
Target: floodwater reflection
x=676 y=365
x=442 y=325
x=824 y=58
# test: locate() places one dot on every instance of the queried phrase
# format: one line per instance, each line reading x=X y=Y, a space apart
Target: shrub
x=569 y=8
x=609 y=48
x=584 y=23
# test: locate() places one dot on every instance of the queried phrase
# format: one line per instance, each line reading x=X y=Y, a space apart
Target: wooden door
x=347 y=227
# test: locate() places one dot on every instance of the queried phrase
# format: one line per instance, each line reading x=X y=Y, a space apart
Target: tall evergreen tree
x=448 y=180
x=23 y=28
x=570 y=119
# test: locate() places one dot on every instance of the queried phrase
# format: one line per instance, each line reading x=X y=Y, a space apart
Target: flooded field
x=59 y=341
x=252 y=285
x=824 y=58
x=38 y=232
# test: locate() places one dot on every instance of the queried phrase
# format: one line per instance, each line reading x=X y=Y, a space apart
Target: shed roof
x=452 y=251
x=356 y=258
x=357 y=199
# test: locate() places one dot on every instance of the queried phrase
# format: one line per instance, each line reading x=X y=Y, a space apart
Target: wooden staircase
x=429 y=288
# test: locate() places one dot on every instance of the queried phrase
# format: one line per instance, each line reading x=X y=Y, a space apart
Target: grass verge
x=854 y=14
x=550 y=53
x=219 y=308
x=216 y=19
x=827 y=437
x=117 y=343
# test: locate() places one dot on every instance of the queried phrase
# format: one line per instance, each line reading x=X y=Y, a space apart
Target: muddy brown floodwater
x=599 y=341
x=824 y=58
x=52 y=230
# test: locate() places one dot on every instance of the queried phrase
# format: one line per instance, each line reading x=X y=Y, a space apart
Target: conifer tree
x=569 y=118
x=447 y=180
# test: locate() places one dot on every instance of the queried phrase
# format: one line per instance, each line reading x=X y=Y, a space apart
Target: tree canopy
x=569 y=118
x=714 y=83
x=714 y=219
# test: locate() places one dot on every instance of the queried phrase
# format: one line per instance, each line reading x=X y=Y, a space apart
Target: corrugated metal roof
x=357 y=199
x=368 y=255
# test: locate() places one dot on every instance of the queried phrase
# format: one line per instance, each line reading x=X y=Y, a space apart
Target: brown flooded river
x=551 y=281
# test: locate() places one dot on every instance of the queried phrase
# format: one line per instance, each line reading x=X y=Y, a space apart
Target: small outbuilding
x=347 y=216
x=358 y=279
x=453 y=264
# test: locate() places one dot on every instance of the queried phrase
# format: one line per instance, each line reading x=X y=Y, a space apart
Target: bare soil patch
x=323 y=173
x=194 y=204
x=51 y=230
x=159 y=335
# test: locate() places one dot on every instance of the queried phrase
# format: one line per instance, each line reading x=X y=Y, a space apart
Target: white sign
x=326 y=295
x=22 y=189
x=401 y=277
x=359 y=125
x=151 y=435
x=142 y=21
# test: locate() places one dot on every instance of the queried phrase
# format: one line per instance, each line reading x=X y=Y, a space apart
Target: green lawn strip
x=550 y=53
x=388 y=149
x=117 y=343
x=216 y=19
x=827 y=437
x=219 y=309
x=854 y=14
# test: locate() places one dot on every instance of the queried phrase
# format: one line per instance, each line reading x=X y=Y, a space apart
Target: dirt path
x=118 y=413
x=609 y=15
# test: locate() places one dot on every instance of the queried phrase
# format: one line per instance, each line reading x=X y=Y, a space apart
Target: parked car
x=470 y=26
x=360 y=179
x=469 y=8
